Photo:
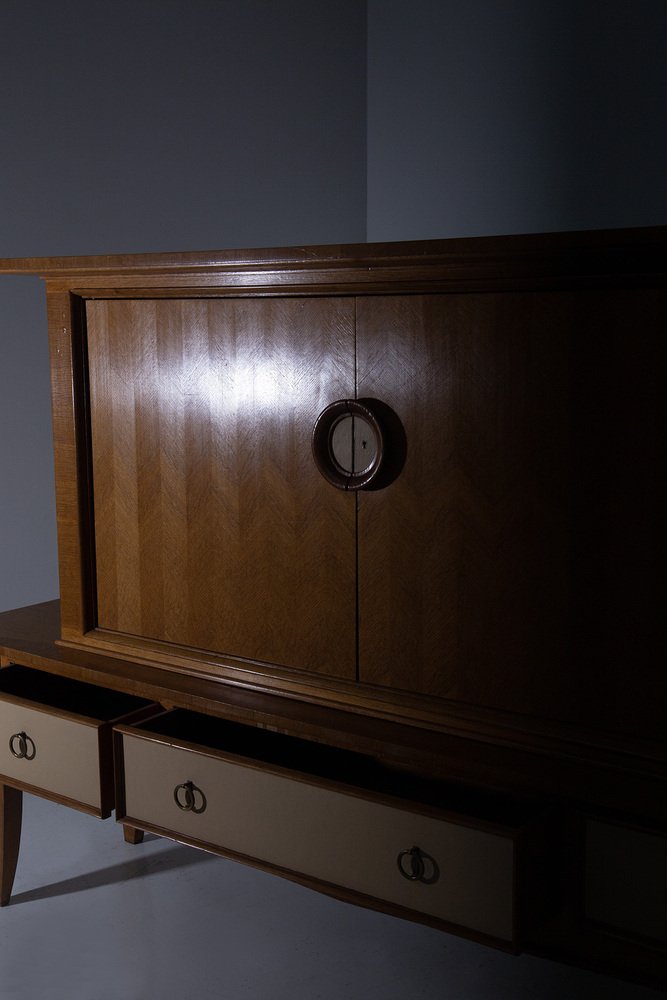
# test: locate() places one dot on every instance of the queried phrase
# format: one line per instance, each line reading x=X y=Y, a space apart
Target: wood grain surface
x=11 y=811
x=213 y=527
x=514 y=556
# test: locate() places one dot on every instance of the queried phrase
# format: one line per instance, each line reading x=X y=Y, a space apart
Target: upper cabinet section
x=470 y=532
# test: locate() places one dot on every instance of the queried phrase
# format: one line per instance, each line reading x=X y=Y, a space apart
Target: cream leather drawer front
x=335 y=836
x=56 y=736
x=62 y=754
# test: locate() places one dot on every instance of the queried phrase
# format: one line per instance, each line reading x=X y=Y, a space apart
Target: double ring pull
x=418 y=866
x=189 y=798
x=22 y=746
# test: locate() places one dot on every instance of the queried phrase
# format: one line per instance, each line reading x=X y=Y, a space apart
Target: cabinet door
x=512 y=564
x=213 y=528
x=454 y=600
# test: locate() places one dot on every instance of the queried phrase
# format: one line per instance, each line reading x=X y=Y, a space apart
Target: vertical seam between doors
x=356 y=516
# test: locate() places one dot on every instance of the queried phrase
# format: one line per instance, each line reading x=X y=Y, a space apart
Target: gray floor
x=93 y=918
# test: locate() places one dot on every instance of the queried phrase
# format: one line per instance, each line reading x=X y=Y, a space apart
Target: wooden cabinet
x=482 y=611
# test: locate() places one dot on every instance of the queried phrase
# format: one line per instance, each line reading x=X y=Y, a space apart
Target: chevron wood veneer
x=213 y=528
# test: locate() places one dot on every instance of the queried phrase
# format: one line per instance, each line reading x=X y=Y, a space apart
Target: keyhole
x=353 y=444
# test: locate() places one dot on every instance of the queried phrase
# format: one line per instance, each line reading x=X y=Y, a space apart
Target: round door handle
x=189 y=798
x=358 y=444
x=348 y=444
x=22 y=746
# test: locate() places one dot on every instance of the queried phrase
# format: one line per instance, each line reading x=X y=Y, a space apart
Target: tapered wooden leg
x=11 y=809
x=132 y=835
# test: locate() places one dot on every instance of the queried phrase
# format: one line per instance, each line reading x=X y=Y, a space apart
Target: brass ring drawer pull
x=421 y=867
x=22 y=746
x=415 y=871
x=189 y=798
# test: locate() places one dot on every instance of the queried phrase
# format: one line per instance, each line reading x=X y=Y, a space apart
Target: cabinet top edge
x=641 y=244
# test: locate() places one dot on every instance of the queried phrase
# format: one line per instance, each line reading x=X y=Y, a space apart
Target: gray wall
x=144 y=125
x=180 y=124
x=505 y=116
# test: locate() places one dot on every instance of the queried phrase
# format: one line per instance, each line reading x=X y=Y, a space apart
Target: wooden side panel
x=213 y=527
x=70 y=451
x=511 y=564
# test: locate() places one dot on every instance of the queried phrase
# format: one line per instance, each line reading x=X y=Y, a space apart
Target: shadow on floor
x=174 y=857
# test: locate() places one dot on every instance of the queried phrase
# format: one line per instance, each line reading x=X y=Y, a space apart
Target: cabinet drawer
x=626 y=877
x=328 y=817
x=56 y=736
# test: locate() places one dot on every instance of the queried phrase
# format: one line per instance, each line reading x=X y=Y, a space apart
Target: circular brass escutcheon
x=348 y=444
